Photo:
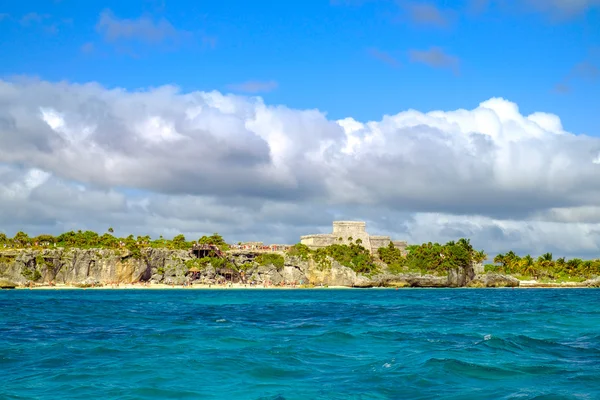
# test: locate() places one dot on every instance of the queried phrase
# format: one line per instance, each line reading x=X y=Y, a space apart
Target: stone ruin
x=345 y=232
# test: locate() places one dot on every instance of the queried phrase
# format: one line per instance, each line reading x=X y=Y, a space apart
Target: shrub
x=353 y=256
x=32 y=275
x=214 y=239
x=493 y=268
x=300 y=250
x=276 y=260
x=393 y=257
x=201 y=263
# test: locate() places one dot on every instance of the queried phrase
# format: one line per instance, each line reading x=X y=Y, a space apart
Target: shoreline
x=129 y=286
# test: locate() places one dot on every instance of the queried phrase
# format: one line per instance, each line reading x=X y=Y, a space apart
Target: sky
x=265 y=120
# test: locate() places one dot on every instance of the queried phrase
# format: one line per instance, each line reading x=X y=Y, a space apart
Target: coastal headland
x=89 y=260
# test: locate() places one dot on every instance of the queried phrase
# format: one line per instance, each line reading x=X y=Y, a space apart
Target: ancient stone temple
x=345 y=232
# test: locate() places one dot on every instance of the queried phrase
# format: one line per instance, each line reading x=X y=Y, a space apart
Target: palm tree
x=479 y=256
x=528 y=266
x=512 y=260
x=500 y=259
x=465 y=243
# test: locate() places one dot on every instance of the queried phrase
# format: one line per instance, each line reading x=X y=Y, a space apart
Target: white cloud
x=160 y=161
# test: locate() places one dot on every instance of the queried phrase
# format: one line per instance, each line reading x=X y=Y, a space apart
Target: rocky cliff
x=98 y=266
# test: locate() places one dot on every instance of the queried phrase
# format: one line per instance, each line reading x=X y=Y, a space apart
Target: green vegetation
x=179 y=243
x=353 y=256
x=92 y=240
x=300 y=250
x=274 y=259
x=545 y=267
x=41 y=261
x=202 y=263
x=31 y=274
x=431 y=258
x=216 y=240
x=6 y=260
x=393 y=257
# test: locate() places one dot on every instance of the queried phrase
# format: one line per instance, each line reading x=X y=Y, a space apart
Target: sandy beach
x=130 y=286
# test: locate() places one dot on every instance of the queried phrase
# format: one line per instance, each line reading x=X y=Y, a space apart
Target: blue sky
x=347 y=58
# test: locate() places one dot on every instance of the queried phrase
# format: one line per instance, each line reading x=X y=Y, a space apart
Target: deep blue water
x=297 y=344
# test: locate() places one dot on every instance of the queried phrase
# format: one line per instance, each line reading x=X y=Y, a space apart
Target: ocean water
x=300 y=344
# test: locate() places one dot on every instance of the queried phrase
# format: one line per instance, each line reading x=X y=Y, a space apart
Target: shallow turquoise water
x=296 y=344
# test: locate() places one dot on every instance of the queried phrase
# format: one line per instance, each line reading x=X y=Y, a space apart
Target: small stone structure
x=345 y=232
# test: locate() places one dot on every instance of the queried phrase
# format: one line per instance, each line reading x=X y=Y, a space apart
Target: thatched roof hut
x=229 y=274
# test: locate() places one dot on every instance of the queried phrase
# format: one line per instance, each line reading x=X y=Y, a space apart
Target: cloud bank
x=161 y=161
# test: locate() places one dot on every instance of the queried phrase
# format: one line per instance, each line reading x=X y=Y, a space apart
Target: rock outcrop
x=78 y=266
x=93 y=267
x=493 y=281
x=594 y=282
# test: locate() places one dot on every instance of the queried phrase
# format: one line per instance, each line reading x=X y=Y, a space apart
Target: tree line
x=433 y=258
x=544 y=267
x=90 y=239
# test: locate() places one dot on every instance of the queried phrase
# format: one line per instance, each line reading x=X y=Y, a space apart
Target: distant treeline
x=432 y=258
x=90 y=239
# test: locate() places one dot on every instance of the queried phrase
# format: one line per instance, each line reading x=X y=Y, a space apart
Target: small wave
x=237 y=340
x=271 y=372
x=336 y=335
x=221 y=320
x=472 y=370
x=496 y=343
x=555 y=348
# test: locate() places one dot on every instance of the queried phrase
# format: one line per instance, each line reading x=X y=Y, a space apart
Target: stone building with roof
x=345 y=232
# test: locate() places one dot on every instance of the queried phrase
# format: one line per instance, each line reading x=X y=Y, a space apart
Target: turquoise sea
x=300 y=344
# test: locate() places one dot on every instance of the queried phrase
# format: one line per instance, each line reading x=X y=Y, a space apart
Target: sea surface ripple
x=300 y=344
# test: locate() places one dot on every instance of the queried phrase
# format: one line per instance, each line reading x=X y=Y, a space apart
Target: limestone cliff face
x=94 y=266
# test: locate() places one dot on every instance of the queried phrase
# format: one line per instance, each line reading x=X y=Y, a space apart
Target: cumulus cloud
x=161 y=161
